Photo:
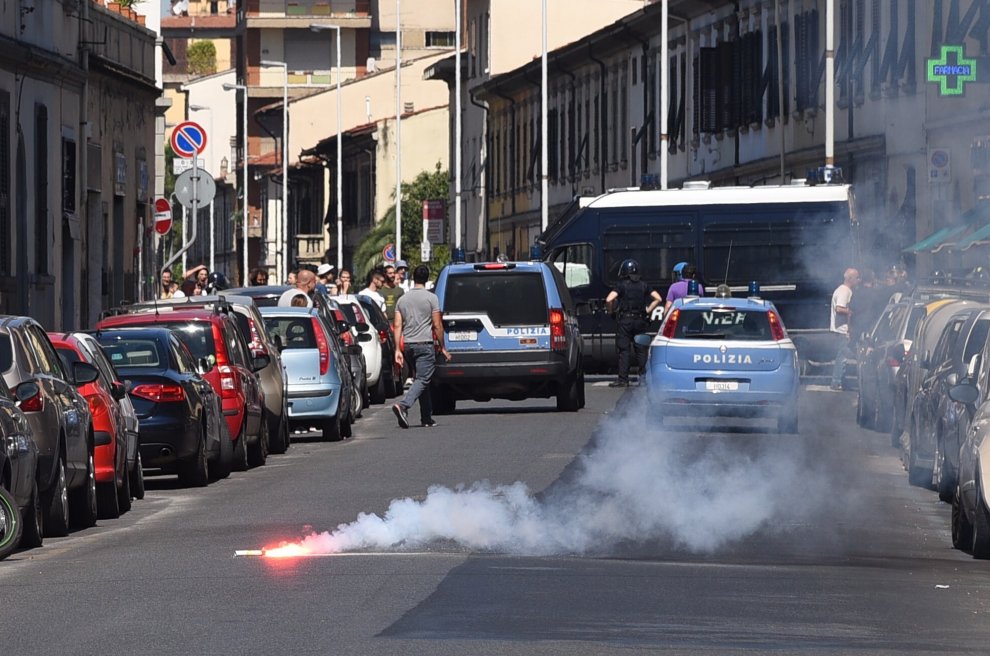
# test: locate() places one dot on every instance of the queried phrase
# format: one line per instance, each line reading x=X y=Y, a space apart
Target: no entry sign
x=163 y=216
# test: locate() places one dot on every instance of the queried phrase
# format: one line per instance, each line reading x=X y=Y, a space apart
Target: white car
x=372 y=348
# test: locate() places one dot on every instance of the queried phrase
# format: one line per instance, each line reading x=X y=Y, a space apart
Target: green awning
x=935 y=240
x=981 y=236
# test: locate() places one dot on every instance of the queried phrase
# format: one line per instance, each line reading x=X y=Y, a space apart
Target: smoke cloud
x=637 y=482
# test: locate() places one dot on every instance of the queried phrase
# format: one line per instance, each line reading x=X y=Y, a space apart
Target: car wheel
x=258 y=452
x=942 y=476
x=57 y=507
x=981 y=527
x=443 y=400
x=918 y=475
x=107 y=503
x=34 y=521
x=225 y=461
x=196 y=471
x=581 y=389
x=788 y=421
x=568 y=400
x=85 y=508
x=962 y=530
x=357 y=402
x=346 y=429
x=281 y=442
x=124 y=492
x=378 y=393
x=240 y=449
x=861 y=413
x=331 y=429
x=137 y=478
x=10 y=524
x=895 y=430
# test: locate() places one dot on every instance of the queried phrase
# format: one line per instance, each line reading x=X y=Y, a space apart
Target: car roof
x=495 y=267
x=288 y=311
x=161 y=331
x=189 y=314
x=710 y=302
x=261 y=290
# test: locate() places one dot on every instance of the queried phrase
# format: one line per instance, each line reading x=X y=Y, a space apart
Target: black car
x=18 y=464
x=181 y=428
x=391 y=374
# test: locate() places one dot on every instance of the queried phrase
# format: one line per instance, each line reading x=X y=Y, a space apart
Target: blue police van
x=796 y=239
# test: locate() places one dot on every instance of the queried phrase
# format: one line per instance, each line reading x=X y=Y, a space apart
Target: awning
x=936 y=240
x=977 y=215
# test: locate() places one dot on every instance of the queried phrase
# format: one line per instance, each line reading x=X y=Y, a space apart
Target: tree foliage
x=428 y=185
x=201 y=58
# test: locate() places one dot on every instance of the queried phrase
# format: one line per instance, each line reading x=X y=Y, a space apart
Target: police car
x=725 y=356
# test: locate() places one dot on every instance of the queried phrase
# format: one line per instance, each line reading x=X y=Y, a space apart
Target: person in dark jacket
x=631 y=301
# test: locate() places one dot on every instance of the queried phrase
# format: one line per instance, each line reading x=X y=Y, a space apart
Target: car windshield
x=294 y=332
x=197 y=336
x=723 y=323
x=515 y=298
x=124 y=353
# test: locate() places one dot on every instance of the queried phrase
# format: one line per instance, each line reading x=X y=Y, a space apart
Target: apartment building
x=77 y=102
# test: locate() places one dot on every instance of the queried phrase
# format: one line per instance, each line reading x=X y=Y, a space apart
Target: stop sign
x=163 y=216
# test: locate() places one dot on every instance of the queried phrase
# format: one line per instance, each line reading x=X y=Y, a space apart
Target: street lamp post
x=398 y=130
x=340 y=152
x=457 y=126
x=544 y=148
x=244 y=165
x=281 y=270
x=209 y=168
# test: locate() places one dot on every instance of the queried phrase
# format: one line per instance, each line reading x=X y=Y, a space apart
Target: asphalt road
x=631 y=537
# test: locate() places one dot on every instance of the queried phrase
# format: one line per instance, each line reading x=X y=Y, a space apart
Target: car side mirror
x=117 y=390
x=260 y=362
x=26 y=390
x=364 y=337
x=643 y=339
x=966 y=393
x=362 y=327
x=84 y=373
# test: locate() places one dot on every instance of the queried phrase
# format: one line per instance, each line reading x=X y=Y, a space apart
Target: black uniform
x=631 y=320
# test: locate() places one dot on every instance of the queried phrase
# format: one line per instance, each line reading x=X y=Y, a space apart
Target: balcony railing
x=310 y=247
x=291 y=8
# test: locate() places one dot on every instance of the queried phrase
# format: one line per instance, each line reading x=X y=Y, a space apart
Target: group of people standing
x=195 y=282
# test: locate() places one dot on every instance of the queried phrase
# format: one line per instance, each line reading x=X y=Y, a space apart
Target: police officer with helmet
x=631 y=301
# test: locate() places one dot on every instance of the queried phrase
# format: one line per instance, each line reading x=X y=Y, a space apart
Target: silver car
x=313 y=369
x=970 y=521
x=60 y=422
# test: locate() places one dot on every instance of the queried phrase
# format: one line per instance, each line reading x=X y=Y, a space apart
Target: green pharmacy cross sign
x=952 y=70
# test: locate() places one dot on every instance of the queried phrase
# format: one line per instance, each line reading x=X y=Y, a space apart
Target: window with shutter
x=41 y=157
x=708 y=90
x=5 y=231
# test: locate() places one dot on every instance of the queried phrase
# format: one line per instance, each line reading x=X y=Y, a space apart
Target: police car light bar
x=827 y=174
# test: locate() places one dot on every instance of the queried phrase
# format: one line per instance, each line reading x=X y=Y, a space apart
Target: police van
x=796 y=239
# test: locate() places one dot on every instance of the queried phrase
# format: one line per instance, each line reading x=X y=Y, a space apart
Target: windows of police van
x=656 y=250
x=574 y=262
x=509 y=298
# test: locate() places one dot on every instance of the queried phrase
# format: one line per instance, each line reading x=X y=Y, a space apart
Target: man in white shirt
x=376 y=279
x=839 y=324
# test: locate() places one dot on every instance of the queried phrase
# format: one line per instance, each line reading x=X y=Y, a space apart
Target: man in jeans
x=417 y=321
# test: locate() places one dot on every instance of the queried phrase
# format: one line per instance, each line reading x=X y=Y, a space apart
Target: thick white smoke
x=637 y=483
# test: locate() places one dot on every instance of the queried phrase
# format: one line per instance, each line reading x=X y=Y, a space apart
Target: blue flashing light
x=535 y=252
x=457 y=255
x=754 y=289
x=649 y=182
x=692 y=288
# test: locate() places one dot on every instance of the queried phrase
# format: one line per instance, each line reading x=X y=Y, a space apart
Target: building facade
x=77 y=98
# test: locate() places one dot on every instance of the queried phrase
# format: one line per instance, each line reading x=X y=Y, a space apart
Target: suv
x=512 y=332
x=60 y=422
x=214 y=340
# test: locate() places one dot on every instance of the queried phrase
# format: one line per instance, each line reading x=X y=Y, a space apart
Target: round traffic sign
x=188 y=139
x=162 y=206
x=388 y=253
x=163 y=218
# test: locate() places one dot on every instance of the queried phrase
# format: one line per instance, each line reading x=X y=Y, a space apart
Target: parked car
x=970 y=518
x=245 y=312
x=512 y=332
x=18 y=467
x=935 y=441
x=214 y=340
x=319 y=394
x=113 y=485
x=881 y=353
x=375 y=377
x=909 y=378
x=60 y=421
x=181 y=425
x=391 y=372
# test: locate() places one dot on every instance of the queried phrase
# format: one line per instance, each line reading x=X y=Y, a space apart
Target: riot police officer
x=631 y=301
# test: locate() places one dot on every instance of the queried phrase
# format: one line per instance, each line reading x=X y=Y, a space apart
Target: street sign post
x=434 y=214
x=163 y=216
x=188 y=139
x=183 y=164
x=388 y=253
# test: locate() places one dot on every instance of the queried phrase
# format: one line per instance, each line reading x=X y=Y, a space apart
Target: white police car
x=725 y=356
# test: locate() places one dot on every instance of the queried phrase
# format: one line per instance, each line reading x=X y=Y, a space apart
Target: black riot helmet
x=629 y=269
x=216 y=282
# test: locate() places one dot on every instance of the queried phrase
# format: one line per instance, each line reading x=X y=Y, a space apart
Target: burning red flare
x=287 y=550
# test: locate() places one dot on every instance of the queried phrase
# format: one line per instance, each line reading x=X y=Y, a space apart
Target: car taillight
x=347 y=338
x=219 y=342
x=558 y=332
x=255 y=345
x=159 y=393
x=230 y=384
x=34 y=404
x=893 y=362
x=670 y=326
x=322 y=345
x=776 y=327
x=383 y=336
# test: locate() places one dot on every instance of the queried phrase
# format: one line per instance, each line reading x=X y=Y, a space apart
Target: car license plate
x=721 y=385
x=463 y=335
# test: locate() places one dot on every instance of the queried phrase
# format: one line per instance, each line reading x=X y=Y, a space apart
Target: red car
x=226 y=362
x=110 y=447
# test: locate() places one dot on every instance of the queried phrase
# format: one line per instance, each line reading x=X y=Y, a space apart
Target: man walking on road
x=839 y=324
x=417 y=321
